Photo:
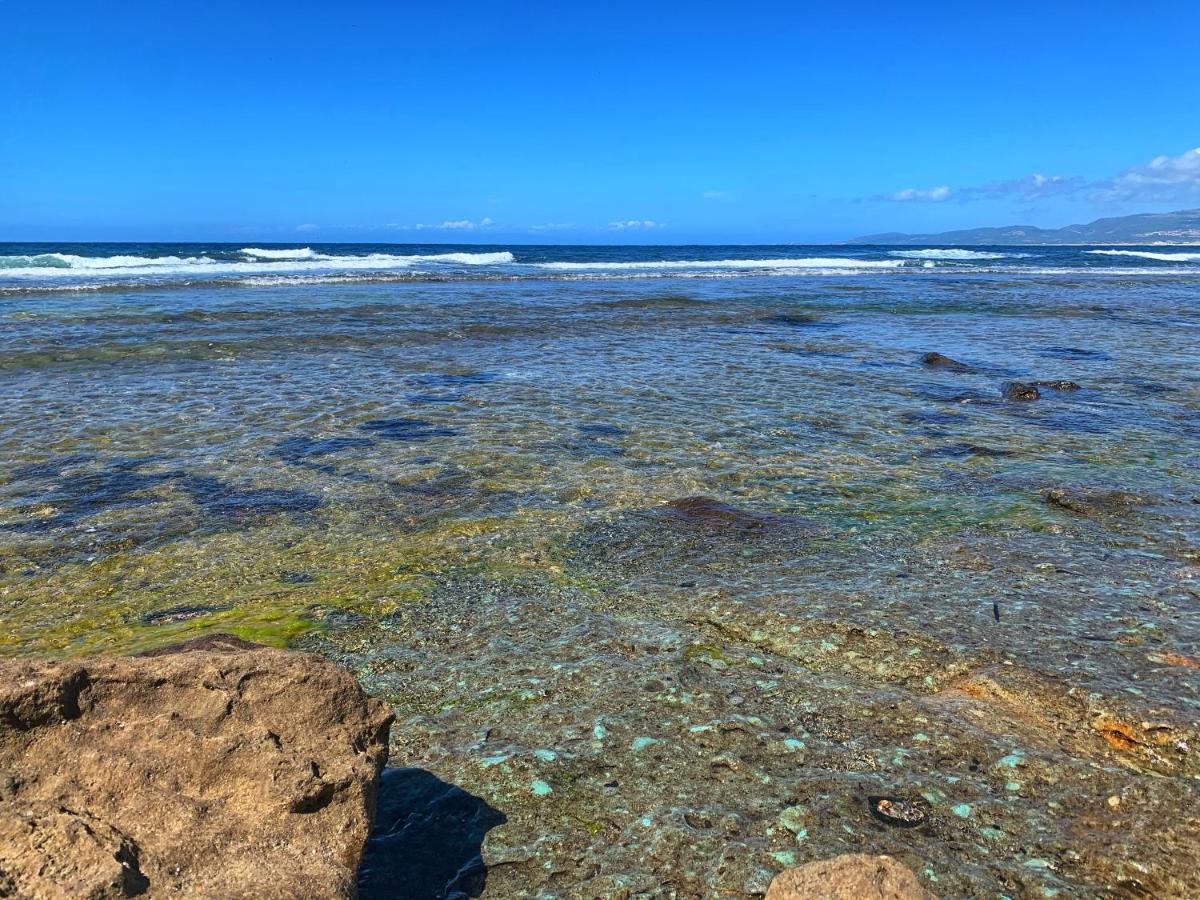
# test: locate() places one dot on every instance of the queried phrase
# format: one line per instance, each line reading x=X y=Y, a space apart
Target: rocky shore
x=227 y=769
x=215 y=768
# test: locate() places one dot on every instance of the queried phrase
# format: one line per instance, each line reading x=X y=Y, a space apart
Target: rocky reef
x=215 y=768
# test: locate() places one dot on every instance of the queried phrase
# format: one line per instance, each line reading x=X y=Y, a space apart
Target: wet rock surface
x=1019 y=390
x=1059 y=385
x=216 y=768
x=853 y=876
x=939 y=361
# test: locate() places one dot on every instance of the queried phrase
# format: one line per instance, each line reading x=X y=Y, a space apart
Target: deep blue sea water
x=449 y=468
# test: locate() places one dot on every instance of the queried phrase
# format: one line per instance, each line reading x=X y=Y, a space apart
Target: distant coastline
x=1171 y=229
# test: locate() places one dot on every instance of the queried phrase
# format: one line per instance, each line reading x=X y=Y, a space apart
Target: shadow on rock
x=427 y=843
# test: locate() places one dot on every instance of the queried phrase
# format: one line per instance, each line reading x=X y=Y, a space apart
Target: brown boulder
x=852 y=876
x=217 y=769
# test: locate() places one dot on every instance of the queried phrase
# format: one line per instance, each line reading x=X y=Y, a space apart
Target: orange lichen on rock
x=1120 y=735
x=1175 y=659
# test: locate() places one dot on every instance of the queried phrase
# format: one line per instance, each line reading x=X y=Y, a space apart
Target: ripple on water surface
x=725 y=556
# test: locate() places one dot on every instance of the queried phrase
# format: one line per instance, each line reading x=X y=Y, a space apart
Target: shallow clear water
x=452 y=477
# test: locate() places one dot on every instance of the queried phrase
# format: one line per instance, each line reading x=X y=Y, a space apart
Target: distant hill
x=1182 y=227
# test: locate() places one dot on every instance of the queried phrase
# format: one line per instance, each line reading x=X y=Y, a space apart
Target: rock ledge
x=215 y=768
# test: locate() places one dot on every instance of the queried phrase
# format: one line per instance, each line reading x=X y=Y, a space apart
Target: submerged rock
x=959 y=451
x=1073 y=353
x=852 y=876
x=1019 y=390
x=938 y=361
x=1057 y=385
x=1092 y=501
x=706 y=512
x=215 y=768
x=798 y=320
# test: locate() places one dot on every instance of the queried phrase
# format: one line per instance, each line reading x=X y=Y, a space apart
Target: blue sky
x=645 y=122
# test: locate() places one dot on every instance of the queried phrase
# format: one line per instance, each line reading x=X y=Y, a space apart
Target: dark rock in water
x=430 y=397
x=1057 y=385
x=258 y=504
x=931 y=417
x=1145 y=386
x=179 y=614
x=599 y=429
x=1073 y=353
x=592 y=447
x=1092 y=501
x=212 y=769
x=957 y=451
x=705 y=512
x=405 y=429
x=1019 y=390
x=798 y=320
x=898 y=812
x=852 y=876
x=455 y=379
x=217 y=498
x=938 y=361
x=427 y=840
x=300 y=449
x=76 y=496
x=51 y=468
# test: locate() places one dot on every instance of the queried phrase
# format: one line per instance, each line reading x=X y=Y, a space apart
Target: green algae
x=777 y=670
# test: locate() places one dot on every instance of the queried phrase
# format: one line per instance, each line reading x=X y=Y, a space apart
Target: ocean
x=674 y=554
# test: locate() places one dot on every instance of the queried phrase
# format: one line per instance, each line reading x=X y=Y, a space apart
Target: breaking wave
x=765 y=264
x=59 y=265
x=953 y=253
x=282 y=253
x=1147 y=254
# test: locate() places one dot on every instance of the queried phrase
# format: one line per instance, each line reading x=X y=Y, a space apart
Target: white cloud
x=636 y=223
x=933 y=195
x=446 y=225
x=1030 y=187
x=717 y=195
x=307 y=226
x=1165 y=179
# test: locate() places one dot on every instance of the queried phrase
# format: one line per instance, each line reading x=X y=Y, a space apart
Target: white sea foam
x=58 y=262
x=301 y=253
x=952 y=253
x=693 y=264
x=1146 y=254
x=470 y=259
x=65 y=265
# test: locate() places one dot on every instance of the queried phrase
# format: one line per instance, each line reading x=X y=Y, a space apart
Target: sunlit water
x=392 y=466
